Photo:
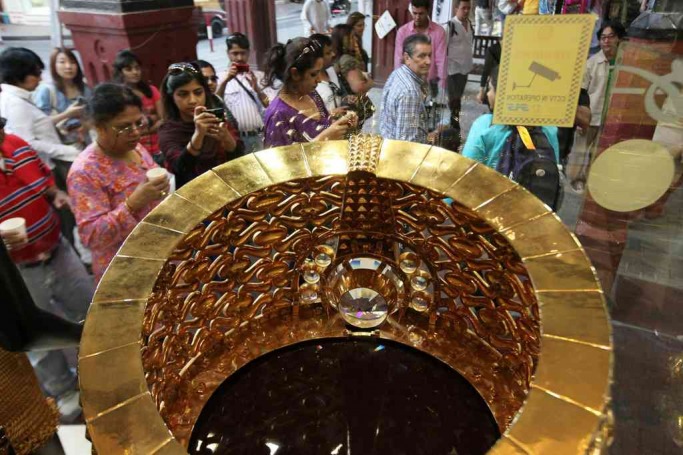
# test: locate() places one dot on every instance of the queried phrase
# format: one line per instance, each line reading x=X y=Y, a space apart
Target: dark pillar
x=383 y=49
x=160 y=32
x=256 y=19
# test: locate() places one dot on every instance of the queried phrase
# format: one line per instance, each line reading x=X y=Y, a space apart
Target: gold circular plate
x=568 y=392
x=631 y=175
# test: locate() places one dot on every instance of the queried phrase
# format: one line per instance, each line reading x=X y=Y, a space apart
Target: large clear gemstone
x=364 y=308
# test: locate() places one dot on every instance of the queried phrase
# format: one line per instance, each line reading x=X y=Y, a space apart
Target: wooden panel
x=383 y=49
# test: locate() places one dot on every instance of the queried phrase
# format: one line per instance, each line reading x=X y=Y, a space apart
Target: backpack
x=529 y=159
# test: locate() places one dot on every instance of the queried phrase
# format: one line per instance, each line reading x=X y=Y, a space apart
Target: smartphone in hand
x=219 y=112
x=242 y=67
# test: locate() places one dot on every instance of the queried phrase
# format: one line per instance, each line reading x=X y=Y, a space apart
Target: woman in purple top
x=298 y=114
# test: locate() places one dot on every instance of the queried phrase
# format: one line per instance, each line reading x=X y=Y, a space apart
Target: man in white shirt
x=316 y=17
x=20 y=71
x=242 y=92
x=596 y=79
x=460 y=37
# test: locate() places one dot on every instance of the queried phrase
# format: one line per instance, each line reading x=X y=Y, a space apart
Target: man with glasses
x=596 y=81
x=54 y=275
x=242 y=92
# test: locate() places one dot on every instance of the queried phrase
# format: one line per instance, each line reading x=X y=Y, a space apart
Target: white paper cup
x=13 y=226
x=157 y=174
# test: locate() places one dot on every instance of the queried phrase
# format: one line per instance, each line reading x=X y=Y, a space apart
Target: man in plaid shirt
x=404 y=115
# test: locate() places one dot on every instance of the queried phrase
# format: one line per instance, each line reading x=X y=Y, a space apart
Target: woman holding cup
x=113 y=183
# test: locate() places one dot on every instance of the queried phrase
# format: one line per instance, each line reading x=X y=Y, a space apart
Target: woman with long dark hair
x=195 y=136
x=64 y=99
x=354 y=44
x=298 y=113
x=128 y=71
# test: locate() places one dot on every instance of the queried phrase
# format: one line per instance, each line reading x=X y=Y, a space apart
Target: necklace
x=304 y=104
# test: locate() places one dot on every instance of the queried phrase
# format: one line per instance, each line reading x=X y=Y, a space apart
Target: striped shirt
x=404 y=116
x=247 y=111
x=23 y=185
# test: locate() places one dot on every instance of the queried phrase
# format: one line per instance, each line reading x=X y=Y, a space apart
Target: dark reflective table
x=343 y=396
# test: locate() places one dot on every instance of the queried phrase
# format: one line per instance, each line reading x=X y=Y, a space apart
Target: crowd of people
x=82 y=165
x=429 y=57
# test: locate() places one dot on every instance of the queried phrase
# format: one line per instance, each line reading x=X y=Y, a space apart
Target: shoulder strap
x=251 y=95
x=525 y=136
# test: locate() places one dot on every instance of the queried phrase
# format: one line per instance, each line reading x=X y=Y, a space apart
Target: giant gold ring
x=151 y=323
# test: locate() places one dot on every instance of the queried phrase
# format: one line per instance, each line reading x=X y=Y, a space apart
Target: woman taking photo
x=64 y=99
x=108 y=185
x=298 y=114
x=195 y=136
x=128 y=71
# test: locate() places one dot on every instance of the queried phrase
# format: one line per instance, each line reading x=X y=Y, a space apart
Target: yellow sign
x=541 y=69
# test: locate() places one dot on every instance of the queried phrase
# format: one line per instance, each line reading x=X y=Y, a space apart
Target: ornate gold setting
x=364 y=152
x=224 y=288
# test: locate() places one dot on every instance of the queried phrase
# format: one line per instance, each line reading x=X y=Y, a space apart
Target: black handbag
x=24 y=326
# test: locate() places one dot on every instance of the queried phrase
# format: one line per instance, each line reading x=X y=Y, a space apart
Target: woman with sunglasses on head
x=298 y=114
x=195 y=136
x=108 y=182
x=64 y=99
x=128 y=71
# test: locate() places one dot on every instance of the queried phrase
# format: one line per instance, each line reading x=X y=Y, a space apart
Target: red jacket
x=24 y=180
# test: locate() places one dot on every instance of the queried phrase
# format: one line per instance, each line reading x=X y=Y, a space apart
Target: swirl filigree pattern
x=229 y=293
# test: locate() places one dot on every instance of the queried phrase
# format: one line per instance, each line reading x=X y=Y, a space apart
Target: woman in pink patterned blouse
x=107 y=182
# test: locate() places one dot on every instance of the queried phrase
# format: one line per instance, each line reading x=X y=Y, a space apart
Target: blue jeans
x=63 y=287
